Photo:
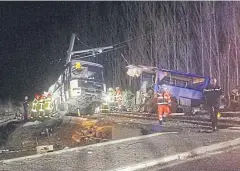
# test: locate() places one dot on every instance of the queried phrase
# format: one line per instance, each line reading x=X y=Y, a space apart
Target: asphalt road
x=111 y=156
x=224 y=161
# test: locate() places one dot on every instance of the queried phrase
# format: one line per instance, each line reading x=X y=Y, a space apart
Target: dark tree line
x=197 y=37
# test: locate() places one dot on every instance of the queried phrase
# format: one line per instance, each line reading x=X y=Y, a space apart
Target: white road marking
x=194 y=158
x=77 y=149
x=181 y=156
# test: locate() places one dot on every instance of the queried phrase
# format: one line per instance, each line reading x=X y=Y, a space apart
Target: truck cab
x=79 y=89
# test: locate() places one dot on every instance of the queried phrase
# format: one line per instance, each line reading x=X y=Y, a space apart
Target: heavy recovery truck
x=81 y=87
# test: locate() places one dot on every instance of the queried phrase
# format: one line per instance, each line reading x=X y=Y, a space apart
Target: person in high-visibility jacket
x=119 y=98
x=111 y=99
x=48 y=104
x=111 y=95
x=41 y=107
x=34 y=105
x=163 y=101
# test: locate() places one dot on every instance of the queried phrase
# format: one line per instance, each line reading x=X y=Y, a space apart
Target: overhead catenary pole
x=70 y=49
x=91 y=52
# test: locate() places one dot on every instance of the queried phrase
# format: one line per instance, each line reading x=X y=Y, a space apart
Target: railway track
x=227 y=120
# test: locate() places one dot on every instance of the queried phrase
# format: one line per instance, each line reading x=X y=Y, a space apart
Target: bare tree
x=235 y=43
x=184 y=36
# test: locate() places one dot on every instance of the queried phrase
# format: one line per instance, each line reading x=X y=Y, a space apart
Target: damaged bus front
x=185 y=88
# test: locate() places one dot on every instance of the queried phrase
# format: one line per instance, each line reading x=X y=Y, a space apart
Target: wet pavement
x=22 y=141
x=123 y=153
x=225 y=161
x=113 y=155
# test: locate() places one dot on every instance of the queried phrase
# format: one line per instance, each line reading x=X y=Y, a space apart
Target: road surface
x=120 y=154
x=224 y=161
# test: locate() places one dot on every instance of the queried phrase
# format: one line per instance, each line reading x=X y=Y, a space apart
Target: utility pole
x=84 y=53
x=70 y=49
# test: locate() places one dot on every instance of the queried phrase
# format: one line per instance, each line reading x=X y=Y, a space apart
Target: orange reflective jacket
x=164 y=98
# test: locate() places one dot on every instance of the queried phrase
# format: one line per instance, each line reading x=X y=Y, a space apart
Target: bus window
x=197 y=83
x=165 y=80
x=148 y=80
x=183 y=80
x=181 y=83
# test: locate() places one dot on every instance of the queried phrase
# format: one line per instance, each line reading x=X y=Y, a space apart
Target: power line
x=82 y=42
x=129 y=40
x=100 y=53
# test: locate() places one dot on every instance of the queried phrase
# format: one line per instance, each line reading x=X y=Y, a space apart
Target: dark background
x=185 y=36
x=30 y=61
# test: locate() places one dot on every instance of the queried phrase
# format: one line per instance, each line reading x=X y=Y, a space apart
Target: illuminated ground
x=224 y=161
x=120 y=154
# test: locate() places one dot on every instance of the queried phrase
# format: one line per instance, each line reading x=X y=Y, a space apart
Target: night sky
x=29 y=60
x=34 y=38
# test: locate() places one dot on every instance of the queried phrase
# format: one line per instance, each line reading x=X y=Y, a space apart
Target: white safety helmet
x=26 y=97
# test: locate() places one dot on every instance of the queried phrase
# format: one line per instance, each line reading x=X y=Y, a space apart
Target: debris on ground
x=32 y=123
x=44 y=149
x=36 y=137
x=87 y=131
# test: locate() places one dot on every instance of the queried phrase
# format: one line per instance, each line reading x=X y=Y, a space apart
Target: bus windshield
x=148 y=79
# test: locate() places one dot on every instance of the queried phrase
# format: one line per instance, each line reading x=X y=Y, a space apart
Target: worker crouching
x=163 y=101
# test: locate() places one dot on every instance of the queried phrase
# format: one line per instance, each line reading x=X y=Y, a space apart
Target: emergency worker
x=212 y=96
x=235 y=98
x=41 y=111
x=111 y=99
x=163 y=101
x=111 y=94
x=119 y=97
x=48 y=104
x=128 y=99
x=34 y=105
x=151 y=106
x=25 y=108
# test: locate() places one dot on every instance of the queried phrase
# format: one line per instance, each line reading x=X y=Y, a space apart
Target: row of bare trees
x=197 y=37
